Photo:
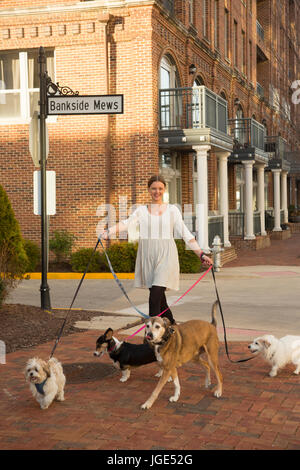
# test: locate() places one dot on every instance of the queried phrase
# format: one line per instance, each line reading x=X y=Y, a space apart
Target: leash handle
x=224 y=327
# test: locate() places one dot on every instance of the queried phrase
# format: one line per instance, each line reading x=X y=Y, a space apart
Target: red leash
x=192 y=287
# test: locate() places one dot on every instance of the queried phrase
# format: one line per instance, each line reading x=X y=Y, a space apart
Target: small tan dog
x=174 y=345
x=47 y=380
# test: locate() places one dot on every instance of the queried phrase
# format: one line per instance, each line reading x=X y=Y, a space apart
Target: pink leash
x=192 y=287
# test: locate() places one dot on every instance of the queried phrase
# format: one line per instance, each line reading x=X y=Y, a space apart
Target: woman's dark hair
x=157 y=178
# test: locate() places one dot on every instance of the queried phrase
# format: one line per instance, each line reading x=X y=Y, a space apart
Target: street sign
x=34 y=139
x=85 y=104
x=51 y=193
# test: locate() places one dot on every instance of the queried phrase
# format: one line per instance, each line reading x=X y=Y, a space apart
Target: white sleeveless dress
x=157 y=261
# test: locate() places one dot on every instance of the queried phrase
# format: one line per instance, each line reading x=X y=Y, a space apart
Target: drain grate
x=82 y=372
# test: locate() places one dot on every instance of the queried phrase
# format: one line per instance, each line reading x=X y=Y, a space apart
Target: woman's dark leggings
x=158 y=303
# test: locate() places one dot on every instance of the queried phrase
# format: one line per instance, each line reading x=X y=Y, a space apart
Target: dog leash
x=119 y=282
x=79 y=285
x=192 y=287
x=224 y=327
x=73 y=300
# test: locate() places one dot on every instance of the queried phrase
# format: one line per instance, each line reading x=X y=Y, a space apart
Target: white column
x=202 y=203
x=223 y=169
x=248 y=165
x=261 y=196
x=276 y=177
x=284 y=205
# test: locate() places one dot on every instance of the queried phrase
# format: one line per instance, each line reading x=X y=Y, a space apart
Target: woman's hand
x=206 y=260
x=104 y=235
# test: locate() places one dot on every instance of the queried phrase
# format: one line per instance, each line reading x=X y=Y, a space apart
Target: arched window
x=198 y=81
x=170 y=95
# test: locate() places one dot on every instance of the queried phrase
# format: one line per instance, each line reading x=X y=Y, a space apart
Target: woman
x=157 y=264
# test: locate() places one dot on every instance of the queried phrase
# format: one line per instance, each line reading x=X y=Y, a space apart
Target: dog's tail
x=213 y=313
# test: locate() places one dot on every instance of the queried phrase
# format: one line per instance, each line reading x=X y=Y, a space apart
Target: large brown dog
x=174 y=345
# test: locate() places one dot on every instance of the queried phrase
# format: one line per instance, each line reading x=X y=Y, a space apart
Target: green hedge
x=188 y=261
x=123 y=256
x=81 y=258
x=33 y=253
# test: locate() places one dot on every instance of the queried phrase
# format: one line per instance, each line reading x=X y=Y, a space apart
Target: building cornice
x=75 y=7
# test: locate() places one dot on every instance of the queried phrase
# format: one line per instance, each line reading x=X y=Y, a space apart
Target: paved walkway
x=255 y=411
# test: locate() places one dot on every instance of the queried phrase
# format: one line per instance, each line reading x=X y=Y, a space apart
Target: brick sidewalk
x=255 y=411
x=280 y=253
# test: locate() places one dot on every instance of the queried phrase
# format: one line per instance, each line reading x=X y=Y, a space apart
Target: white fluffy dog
x=47 y=380
x=278 y=352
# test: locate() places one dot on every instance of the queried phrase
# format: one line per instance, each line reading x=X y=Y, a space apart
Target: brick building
x=207 y=102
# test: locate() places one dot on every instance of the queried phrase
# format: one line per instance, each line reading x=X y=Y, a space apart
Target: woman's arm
x=189 y=239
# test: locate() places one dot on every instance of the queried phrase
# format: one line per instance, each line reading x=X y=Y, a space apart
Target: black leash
x=224 y=327
x=79 y=285
x=75 y=295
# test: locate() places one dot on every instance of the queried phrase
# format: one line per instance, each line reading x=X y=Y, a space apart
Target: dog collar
x=170 y=331
x=40 y=387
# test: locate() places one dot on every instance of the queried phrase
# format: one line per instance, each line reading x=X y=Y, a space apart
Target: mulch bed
x=25 y=326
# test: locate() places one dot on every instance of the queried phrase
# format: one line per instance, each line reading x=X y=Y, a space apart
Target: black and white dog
x=124 y=355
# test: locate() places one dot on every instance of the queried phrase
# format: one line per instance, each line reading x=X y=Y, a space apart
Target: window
x=191 y=11
x=170 y=97
x=235 y=38
x=19 y=83
x=244 y=54
x=204 y=17
x=170 y=169
x=227 y=34
x=216 y=24
x=250 y=61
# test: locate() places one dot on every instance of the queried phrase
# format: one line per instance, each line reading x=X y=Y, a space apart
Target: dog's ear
x=46 y=367
x=166 y=322
x=108 y=334
x=266 y=343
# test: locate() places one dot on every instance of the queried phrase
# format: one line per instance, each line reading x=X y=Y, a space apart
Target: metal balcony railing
x=247 y=132
x=192 y=108
x=256 y=223
x=276 y=147
x=260 y=31
x=260 y=90
x=215 y=227
x=236 y=224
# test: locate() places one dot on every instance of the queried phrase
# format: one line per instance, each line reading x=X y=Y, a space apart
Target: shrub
x=81 y=258
x=10 y=237
x=122 y=257
x=13 y=258
x=33 y=253
x=61 y=245
x=188 y=260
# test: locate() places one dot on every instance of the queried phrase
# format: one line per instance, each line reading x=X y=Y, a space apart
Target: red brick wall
x=99 y=158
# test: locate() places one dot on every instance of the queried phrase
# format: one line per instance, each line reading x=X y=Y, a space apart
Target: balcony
x=277 y=150
x=193 y=116
x=262 y=53
x=260 y=90
x=248 y=140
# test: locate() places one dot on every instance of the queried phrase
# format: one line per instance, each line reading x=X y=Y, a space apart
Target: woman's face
x=156 y=192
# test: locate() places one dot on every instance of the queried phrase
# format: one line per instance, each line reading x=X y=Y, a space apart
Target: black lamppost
x=44 y=288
